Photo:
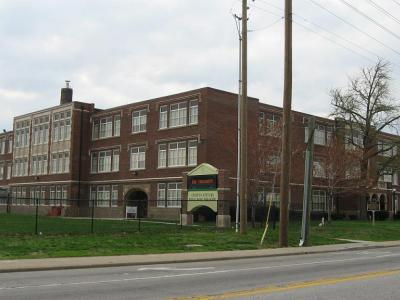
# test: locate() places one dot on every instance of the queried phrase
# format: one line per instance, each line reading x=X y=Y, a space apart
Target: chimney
x=66 y=93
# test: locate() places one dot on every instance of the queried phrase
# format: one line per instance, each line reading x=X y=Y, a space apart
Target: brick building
x=142 y=151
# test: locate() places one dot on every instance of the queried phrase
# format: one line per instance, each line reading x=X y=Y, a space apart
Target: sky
x=124 y=51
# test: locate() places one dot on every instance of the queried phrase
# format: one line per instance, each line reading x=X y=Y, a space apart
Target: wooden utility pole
x=286 y=149
x=243 y=126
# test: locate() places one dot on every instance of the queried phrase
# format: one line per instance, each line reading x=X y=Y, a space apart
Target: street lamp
x=393 y=201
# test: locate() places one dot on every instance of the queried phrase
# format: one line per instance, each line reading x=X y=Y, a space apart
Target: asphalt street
x=371 y=274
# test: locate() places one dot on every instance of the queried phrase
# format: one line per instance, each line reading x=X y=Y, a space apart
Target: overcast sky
x=122 y=51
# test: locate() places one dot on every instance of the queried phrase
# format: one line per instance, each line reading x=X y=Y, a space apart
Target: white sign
x=132 y=211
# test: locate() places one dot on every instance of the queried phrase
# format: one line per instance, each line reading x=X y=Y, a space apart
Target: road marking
x=174 y=269
x=49 y=285
x=292 y=286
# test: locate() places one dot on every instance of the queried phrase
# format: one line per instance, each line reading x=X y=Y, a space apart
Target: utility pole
x=237 y=22
x=243 y=126
x=286 y=149
x=305 y=225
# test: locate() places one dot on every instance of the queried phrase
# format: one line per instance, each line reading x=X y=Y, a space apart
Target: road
x=372 y=274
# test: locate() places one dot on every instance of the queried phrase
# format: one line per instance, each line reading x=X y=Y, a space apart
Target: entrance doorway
x=138 y=199
x=204 y=214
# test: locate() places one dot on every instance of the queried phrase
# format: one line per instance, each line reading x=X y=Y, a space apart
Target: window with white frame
x=192 y=153
x=104 y=161
x=2 y=145
x=40 y=129
x=104 y=195
x=115 y=160
x=105 y=129
x=20 y=167
x=193 y=112
x=318 y=200
x=39 y=165
x=177 y=154
x=178 y=114
x=138 y=158
x=61 y=126
x=60 y=162
x=174 y=194
x=117 y=125
x=322 y=135
x=22 y=133
x=353 y=171
x=387 y=149
x=139 y=121
x=319 y=169
x=162 y=155
x=354 y=140
x=1 y=171
x=10 y=144
x=274 y=198
x=163 y=121
x=9 y=170
x=161 y=195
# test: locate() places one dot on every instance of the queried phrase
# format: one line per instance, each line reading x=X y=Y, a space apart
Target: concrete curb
x=26 y=265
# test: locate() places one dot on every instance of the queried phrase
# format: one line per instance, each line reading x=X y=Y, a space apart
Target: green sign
x=202 y=187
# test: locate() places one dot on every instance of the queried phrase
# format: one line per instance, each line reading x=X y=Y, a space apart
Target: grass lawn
x=71 y=237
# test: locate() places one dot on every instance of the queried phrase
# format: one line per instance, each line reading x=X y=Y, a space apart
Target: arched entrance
x=139 y=199
x=204 y=214
x=373 y=202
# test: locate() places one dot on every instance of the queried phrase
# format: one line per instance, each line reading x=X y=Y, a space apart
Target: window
x=318 y=169
x=105 y=161
x=354 y=140
x=2 y=145
x=61 y=126
x=1 y=171
x=39 y=165
x=138 y=158
x=114 y=196
x=274 y=197
x=20 y=167
x=161 y=195
x=115 y=162
x=162 y=155
x=10 y=144
x=95 y=130
x=105 y=127
x=174 y=194
x=386 y=149
x=194 y=112
x=40 y=130
x=322 y=135
x=117 y=125
x=9 y=171
x=178 y=114
x=139 y=120
x=104 y=195
x=163 y=122
x=22 y=134
x=318 y=200
x=192 y=153
x=177 y=154
x=60 y=163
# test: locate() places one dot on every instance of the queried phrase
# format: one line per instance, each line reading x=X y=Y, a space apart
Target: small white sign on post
x=131 y=212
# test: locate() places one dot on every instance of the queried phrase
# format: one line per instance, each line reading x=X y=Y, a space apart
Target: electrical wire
x=370 y=19
x=355 y=27
x=384 y=11
x=268 y=26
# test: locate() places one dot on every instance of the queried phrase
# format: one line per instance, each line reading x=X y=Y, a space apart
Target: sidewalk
x=149 y=259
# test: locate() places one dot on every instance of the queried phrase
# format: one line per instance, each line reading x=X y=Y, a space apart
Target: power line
x=355 y=27
x=333 y=41
x=397 y=2
x=384 y=11
x=370 y=19
x=266 y=27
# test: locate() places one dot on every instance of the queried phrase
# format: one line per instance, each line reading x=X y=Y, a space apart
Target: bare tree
x=368 y=110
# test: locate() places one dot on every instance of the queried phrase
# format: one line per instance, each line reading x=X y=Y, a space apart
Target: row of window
x=173 y=115
x=5 y=169
x=169 y=194
x=58 y=195
x=104 y=196
x=318 y=202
